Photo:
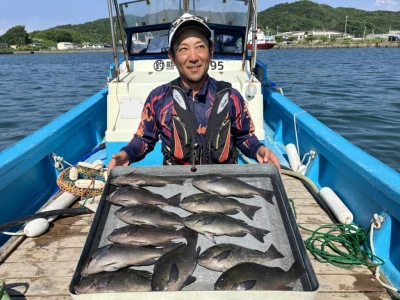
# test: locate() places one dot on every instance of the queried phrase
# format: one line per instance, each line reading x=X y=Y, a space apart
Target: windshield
x=152 y=12
x=147 y=23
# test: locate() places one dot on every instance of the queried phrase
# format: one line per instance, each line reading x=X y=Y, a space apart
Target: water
x=353 y=91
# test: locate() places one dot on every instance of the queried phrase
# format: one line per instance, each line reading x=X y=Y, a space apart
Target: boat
x=328 y=178
x=263 y=41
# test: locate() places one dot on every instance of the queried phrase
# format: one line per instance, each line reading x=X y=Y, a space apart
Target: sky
x=44 y=14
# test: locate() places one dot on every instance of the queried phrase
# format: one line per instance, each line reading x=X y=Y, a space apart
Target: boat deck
x=42 y=267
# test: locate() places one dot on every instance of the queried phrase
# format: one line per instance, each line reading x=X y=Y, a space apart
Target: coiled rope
x=342 y=245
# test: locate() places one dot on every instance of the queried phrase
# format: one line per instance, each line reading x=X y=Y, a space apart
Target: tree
x=16 y=36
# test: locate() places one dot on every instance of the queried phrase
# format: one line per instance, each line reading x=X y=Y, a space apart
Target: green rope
x=342 y=245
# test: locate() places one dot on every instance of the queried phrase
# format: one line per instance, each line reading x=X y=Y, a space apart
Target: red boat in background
x=263 y=41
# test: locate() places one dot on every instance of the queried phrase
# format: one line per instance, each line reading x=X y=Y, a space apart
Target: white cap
x=184 y=21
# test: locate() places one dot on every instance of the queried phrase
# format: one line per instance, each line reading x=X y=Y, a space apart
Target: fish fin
x=174 y=200
x=258 y=233
x=145 y=274
x=173 y=273
x=267 y=195
x=208 y=220
x=273 y=253
x=210 y=237
x=244 y=285
x=223 y=255
x=189 y=280
x=102 y=283
x=249 y=210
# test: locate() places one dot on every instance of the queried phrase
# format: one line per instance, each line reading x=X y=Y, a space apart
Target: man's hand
x=265 y=155
x=119 y=159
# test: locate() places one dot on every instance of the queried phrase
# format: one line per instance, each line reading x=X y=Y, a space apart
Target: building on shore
x=301 y=36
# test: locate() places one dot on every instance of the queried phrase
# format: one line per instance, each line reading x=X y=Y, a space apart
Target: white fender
x=36 y=227
x=338 y=208
x=293 y=156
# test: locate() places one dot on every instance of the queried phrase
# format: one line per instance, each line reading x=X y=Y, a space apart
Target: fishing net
x=68 y=185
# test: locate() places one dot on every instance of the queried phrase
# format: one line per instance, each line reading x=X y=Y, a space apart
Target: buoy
x=293 y=156
x=338 y=208
x=39 y=226
x=36 y=227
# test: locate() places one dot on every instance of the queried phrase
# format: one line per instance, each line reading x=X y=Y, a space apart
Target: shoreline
x=347 y=45
x=278 y=46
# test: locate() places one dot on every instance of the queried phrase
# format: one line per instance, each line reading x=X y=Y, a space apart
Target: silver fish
x=253 y=276
x=229 y=186
x=174 y=270
x=144 y=235
x=140 y=179
x=214 y=224
x=148 y=214
x=222 y=257
x=124 y=280
x=205 y=202
x=132 y=195
x=113 y=257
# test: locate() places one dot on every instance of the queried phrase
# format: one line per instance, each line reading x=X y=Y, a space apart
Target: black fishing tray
x=277 y=218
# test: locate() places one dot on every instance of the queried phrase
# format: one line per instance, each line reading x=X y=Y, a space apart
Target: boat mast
x=254 y=37
x=113 y=41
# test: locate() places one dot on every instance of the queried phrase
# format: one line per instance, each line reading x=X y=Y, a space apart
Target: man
x=198 y=119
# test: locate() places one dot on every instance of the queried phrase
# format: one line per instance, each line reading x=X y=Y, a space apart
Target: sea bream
x=229 y=186
x=205 y=202
x=215 y=224
x=174 y=270
x=133 y=195
x=222 y=257
x=148 y=214
x=120 y=281
x=113 y=257
x=144 y=235
x=253 y=276
x=140 y=179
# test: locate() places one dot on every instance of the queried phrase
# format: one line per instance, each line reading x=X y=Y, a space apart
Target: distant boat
x=263 y=41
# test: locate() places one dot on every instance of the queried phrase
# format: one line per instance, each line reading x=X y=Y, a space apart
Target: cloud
x=387 y=4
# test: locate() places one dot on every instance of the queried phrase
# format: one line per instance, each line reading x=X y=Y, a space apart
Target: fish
x=253 y=276
x=112 y=257
x=148 y=214
x=205 y=202
x=144 y=235
x=140 y=179
x=222 y=257
x=174 y=270
x=229 y=186
x=215 y=224
x=120 y=281
x=133 y=195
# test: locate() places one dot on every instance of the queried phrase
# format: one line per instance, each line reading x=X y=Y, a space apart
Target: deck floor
x=42 y=267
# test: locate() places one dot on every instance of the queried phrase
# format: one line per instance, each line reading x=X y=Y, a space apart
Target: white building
x=64 y=46
x=302 y=35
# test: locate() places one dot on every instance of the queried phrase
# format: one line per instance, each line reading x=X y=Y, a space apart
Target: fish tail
x=174 y=200
x=177 y=181
x=267 y=195
x=258 y=233
x=273 y=253
x=249 y=210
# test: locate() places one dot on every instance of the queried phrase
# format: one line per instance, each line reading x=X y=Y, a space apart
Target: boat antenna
x=246 y=37
x=253 y=35
x=113 y=40
x=121 y=30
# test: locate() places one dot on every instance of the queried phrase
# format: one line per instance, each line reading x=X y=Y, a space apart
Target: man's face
x=192 y=55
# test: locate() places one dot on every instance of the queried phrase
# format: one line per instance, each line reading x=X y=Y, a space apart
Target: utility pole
x=345 y=28
x=277 y=29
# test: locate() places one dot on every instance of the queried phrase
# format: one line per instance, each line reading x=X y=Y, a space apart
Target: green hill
x=307 y=15
x=301 y=15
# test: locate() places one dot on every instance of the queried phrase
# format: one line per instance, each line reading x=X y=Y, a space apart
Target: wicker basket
x=68 y=185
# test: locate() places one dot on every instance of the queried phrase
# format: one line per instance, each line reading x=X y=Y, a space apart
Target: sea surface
x=355 y=92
